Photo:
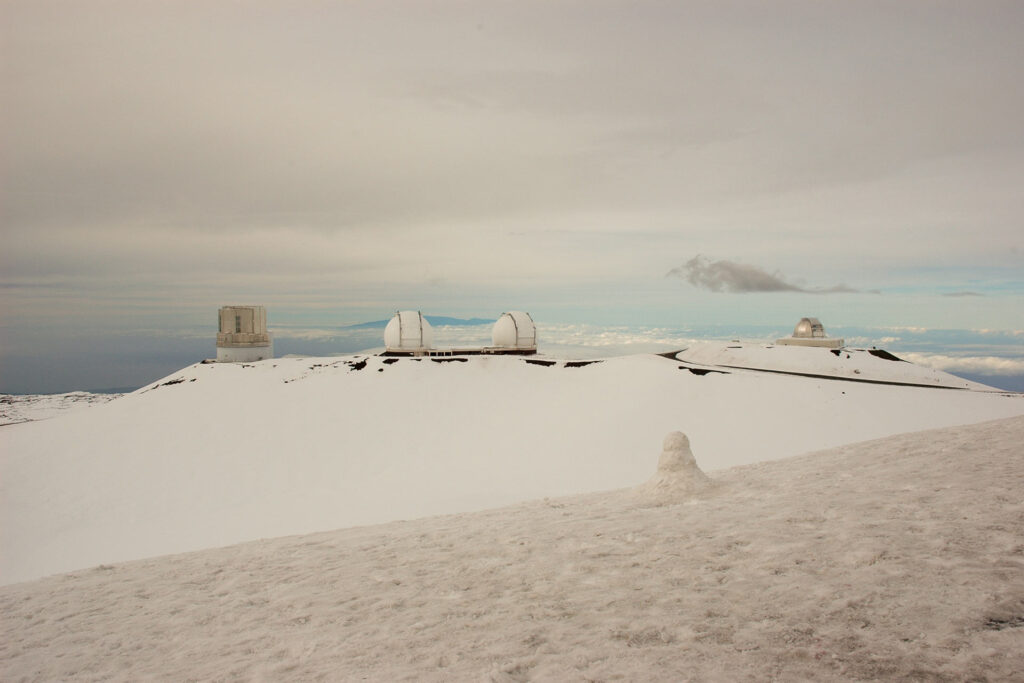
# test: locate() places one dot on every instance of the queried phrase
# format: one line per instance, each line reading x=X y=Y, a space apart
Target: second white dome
x=515 y=330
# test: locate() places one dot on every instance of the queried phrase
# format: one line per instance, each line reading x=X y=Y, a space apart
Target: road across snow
x=847 y=364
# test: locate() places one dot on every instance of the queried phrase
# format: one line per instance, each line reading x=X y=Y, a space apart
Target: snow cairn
x=678 y=476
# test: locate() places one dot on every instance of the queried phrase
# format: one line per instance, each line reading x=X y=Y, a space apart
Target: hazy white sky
x=479 y=156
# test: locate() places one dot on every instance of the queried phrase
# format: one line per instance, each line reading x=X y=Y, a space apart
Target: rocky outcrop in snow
x=678 y=476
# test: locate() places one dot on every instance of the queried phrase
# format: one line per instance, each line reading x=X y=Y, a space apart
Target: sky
x=596 y=163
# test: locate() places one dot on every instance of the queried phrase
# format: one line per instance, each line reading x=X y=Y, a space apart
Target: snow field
x=900 y=558
x=224 y=453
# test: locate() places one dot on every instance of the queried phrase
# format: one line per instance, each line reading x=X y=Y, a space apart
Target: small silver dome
x=809 y=328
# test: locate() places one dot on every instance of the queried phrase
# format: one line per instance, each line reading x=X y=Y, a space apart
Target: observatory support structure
x=242 y=335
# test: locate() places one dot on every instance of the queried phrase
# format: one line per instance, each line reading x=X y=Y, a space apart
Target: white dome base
x=822 y=342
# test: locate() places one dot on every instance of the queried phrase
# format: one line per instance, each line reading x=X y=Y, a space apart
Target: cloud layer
x=365 y=155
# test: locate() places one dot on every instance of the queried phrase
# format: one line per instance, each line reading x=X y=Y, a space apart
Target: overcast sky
x=569 y=157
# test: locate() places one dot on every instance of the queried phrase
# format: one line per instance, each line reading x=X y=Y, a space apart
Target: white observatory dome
x=515 y=330
x=408 y=331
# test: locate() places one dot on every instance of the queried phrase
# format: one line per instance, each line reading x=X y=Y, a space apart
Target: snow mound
x=678 y=477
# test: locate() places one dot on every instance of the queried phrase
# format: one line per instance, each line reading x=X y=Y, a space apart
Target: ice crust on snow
x=678 y=477
x=893 y=559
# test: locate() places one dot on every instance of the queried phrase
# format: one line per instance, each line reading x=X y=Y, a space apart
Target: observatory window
x=238 y=323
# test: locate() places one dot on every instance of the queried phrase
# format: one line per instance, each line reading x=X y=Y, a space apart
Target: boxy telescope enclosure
x=242 y=335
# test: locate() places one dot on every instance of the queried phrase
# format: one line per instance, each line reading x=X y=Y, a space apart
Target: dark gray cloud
x=960 y=294
x=740 y=278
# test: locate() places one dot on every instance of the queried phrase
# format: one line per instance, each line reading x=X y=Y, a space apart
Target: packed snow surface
x=222 y=453
x=894 y=559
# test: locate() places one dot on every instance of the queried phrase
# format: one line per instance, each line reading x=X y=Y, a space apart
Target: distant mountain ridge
x=439 y=320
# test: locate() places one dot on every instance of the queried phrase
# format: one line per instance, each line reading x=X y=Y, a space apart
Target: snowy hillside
x=16 y=408
x=896 y=559
x=221 y=453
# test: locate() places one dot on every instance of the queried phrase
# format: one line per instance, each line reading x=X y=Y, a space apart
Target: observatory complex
x=243 y=336
x=810 y=332
x=409 y=334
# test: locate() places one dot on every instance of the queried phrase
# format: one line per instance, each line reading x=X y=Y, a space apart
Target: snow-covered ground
x=894 y=559
x=16 y=408
x=222 y=453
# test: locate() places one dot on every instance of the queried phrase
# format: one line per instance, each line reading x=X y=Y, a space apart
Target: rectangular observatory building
x=242 y=335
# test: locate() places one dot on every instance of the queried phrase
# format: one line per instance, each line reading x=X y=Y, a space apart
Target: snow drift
x=221 y=453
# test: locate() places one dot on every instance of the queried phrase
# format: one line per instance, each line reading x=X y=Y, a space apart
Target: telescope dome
x=408 y=331
x=515 y=330
x=809 y=328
